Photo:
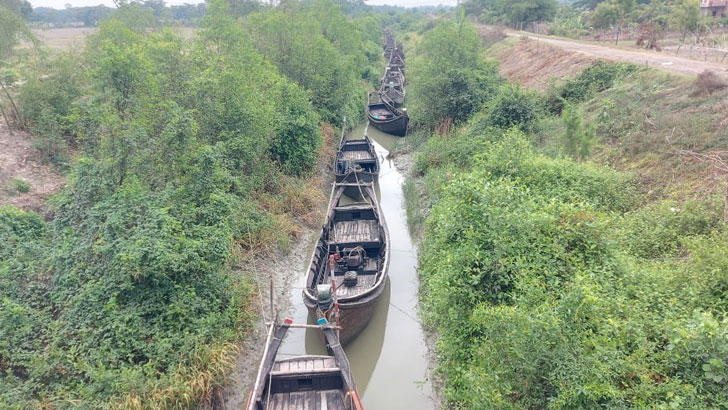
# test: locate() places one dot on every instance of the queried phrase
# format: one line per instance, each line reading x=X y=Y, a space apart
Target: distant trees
x=685 y=18
x=93 y=15
x=22 y=8
x=517 y=12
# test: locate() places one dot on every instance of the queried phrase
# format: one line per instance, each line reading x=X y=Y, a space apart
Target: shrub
x=596 y=78
x=21 y=186
x=577 y=138
x=661 y=229
x=449 y=80
x=513 y=107
x=708 y=82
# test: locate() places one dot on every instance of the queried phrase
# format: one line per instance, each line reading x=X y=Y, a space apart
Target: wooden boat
x=356 y=161
x=394 y=92
x=393 y=86
x=348 y=269
x=394 y=74
x=384 y=116
x=304 y=382
x=396 y=61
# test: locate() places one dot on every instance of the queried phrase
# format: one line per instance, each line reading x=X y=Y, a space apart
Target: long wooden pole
x=15 y=108
x=256 y=386
x=10 y=129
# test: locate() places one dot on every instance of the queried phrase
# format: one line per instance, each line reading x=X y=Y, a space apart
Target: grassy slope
x=635 y=316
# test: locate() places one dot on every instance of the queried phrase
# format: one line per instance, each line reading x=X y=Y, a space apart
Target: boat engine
x=354 y=257
x=325 y=296
x=350 y=278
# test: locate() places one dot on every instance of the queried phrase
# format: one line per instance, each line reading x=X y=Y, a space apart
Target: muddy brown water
x=389 y=358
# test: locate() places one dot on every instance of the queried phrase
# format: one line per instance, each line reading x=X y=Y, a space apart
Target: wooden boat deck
x=306 y=364
x=355 y=231
x=357 y=156
x=364 y=283
x=308 y=400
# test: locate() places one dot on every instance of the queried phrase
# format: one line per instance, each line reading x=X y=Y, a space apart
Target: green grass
x=595 y=284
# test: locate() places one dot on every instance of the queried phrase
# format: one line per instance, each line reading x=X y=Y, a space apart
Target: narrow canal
x=389 y=358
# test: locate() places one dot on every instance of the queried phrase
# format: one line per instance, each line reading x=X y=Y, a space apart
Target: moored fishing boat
x=348 y=269
x=392 y=85
x=304 y=382
x=356 y=161
x=384 y=116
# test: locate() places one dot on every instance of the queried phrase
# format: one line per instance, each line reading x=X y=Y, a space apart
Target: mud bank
x=284 y=270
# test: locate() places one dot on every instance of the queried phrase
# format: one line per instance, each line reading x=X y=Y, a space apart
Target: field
x=68 y=38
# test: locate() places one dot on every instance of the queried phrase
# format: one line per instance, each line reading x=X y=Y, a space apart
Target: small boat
x=356 y=161
x=394 y=74
x=348 y=269
x=384 y=116
x=394 y=92
x=393 y=85
x=304 y=382
x=396 y=61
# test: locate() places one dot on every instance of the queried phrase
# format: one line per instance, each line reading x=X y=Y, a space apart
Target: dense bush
x=512 y=106
x=127 y=298
x=526 y=278
x=449 y=81
x=596 y=78
x=548 y=282
x=319 y=49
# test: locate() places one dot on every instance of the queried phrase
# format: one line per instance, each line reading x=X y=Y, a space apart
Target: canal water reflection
x=389 y=358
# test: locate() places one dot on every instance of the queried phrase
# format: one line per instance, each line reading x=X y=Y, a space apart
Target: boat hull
x=358 y=177
x=354 y=316
x=395 y=126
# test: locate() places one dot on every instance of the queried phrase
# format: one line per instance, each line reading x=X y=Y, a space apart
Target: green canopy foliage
x=319 y=49
x=175 y=141
x=449 y=79
x=518 y=12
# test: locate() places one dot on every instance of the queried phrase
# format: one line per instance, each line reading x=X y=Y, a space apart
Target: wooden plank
x=334 y=399
x=324 y=402
x=305 y=371
x=310 y=401
x=356 y=231
x=357 y=155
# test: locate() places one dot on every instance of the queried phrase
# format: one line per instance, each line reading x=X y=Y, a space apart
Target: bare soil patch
x=64 y=38
x=661 y=60
x=20 y=161
x=536 y=65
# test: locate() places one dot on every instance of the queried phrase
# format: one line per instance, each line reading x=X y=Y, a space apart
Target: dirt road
x=662 y=60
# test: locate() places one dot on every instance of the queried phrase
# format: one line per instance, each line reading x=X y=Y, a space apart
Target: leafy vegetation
x=128 y=298
x=450 y=79
x=553 y=283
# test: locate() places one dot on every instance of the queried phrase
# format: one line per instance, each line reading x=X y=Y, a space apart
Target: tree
x=624 y=10
x=604 y=15
x=577 y=139
x=685 y=18
x=523 y=12
x=22 y=8
x=13 y=29
x=449 y=80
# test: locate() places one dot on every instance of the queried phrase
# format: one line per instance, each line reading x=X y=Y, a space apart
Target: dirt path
x=662 y=60
x=20 y=164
